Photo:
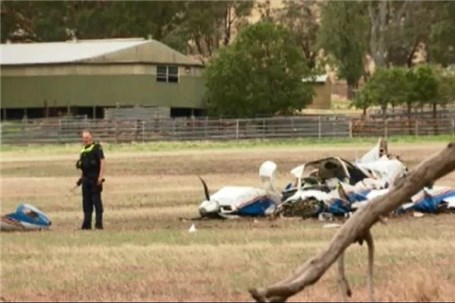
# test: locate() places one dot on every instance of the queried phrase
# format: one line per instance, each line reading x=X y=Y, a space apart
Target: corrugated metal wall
x=101 y=90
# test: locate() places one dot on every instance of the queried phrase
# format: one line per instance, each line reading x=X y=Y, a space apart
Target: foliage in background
x=395 y=29
x=193 y=27
x=343 y=35
x=446 y=84
x=424 y=88
x=259 y=74
x=442 y=36
x=400 y=29
x=301 y=19
x=391 y=31
x=24 y=21
x=415 y=87
x=205 y=26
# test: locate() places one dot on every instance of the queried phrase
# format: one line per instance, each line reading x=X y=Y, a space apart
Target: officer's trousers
x=91 y=197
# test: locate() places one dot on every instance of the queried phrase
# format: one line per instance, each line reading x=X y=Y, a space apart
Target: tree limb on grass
x=357 y=229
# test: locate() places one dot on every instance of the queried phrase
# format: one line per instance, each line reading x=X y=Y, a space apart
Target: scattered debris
x=324 y=189
x=192 y=229
x=331 y=225
x=26 y=217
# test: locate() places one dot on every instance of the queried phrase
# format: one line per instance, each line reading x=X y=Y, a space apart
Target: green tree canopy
x=445 y=88
x=59 y=20
x=386 y=87
x=446 y=81
x=205 y=26
x=259 y=74
x=424 y=85
x=420 y=85
x=193 y=27
x=343 y=35
x=397 y=29
x=301 y=18
x=442 y=37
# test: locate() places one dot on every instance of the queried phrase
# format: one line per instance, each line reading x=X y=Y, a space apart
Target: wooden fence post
x=206 y=124
x=116 y=131
x=143 y=131
x=417 y=128
x=319 y=127
x=294 y=130
x=24 y=121
x=386 y=131
x=350 y=128
x=59 y=130
x=263 y=128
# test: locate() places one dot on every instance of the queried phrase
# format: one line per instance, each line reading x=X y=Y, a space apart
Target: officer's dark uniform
x=89 y=163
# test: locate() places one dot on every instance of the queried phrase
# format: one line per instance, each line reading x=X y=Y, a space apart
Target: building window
x=168 y=74
x=173 y=74
x=161 y=73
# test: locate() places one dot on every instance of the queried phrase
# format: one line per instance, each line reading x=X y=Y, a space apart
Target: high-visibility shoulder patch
x=87 y=149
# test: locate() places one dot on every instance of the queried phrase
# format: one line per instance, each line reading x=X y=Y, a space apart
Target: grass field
x=146 y=254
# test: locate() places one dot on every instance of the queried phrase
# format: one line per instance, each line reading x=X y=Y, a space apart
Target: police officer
x=92 y=164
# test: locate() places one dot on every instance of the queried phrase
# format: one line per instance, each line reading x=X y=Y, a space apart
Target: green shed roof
x=135 y=50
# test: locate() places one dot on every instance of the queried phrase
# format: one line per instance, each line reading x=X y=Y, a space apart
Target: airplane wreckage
x=26 y=217
x=325 y=188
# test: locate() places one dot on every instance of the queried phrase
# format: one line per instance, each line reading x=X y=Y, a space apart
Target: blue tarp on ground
x=431 y=204
x=257 y=208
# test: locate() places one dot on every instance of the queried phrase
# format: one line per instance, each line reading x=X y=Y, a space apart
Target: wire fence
x=68 y=130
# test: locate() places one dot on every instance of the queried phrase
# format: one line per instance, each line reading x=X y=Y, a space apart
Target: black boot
x=99 y=221
x=87 y=224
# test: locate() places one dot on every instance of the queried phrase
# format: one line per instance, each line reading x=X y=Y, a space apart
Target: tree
x=24 y=21
x=424 y=86
x=399 y=28
x=363 y=100
x=417 y=86
x=446 y=84
x=265 y=10
x=259 y=74
x=343 y=34
x=442 y=42
x=301 y=20
x=193 y=27
x=206 y=26
x=387 y=86
x=409 y=27
x=100 y=19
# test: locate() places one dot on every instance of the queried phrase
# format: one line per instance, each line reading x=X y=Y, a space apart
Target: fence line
x=54 y=130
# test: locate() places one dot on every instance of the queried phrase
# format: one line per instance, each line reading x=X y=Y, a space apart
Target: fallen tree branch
x=358 y=226
x=343 y=284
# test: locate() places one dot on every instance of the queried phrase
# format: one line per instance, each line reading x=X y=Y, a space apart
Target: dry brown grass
x=146 y=254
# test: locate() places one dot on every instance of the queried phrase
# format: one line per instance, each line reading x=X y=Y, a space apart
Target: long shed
x=87 y=76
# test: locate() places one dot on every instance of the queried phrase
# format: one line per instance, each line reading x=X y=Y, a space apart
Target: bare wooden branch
x=343 y=284
x=369 y=240
x=359 y=225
